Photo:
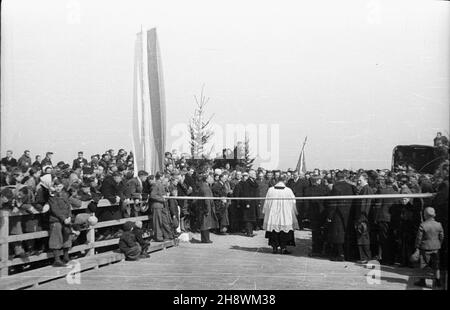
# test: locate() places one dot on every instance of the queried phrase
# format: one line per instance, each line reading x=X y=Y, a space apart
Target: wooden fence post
x=4 y=246
x=90 y=237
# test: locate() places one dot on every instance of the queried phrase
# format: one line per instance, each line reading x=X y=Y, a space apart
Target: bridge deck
x=236 y=262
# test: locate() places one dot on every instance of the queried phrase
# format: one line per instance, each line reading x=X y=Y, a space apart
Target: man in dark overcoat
x=338 y=216
x=208 y=219
x=317 y=213
x=382 y=219
x=249 y=207
x=362 y=225
x=299 y=188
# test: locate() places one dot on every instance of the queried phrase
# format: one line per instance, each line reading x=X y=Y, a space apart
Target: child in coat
x=128 y=244
x=428 y=243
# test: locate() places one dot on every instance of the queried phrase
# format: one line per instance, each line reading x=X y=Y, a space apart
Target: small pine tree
x=200 y=133
x=247 y=160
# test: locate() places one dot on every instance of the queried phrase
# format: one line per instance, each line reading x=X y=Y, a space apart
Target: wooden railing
x=89 y=246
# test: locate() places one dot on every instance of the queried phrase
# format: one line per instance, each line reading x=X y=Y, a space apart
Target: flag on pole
x=148 y=104
x=301 y=164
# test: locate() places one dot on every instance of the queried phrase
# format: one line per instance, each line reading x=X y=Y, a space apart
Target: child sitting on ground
x=128 y=244
x=428 y=243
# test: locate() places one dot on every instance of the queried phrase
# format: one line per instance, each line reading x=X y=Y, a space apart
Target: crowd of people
x=342 y=229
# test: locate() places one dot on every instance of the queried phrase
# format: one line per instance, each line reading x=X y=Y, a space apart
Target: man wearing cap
x=47 y=161
x=9 y=161
x=25 y=160
x=79 y=161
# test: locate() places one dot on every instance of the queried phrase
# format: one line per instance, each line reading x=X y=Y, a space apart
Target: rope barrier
x=390 y=196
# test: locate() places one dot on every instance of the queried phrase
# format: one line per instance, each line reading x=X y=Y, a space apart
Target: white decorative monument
x=149 y=111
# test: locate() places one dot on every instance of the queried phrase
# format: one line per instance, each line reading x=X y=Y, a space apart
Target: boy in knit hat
x=428 y=242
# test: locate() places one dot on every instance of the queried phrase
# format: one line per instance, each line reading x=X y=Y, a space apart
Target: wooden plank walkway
x=36 y=277
x=237 y=262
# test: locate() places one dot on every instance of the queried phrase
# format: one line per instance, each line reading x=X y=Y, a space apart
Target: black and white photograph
x=237 y=148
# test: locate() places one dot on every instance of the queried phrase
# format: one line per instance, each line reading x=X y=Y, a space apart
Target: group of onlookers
x=348 y=229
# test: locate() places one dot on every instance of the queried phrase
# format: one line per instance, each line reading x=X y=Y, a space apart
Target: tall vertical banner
x=149 y=114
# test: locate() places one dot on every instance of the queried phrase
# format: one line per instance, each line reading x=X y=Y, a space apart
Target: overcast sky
x=356 y=77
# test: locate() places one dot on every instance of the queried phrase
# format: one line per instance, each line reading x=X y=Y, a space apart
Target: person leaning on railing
x=111 y=190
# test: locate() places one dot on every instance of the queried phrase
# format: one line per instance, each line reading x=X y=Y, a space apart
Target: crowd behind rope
x=353 y=230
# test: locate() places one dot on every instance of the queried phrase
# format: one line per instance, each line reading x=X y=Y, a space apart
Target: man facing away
x=280 y=217
x=338 y=217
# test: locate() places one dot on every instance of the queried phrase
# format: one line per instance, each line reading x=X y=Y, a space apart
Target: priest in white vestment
x=280 y=217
